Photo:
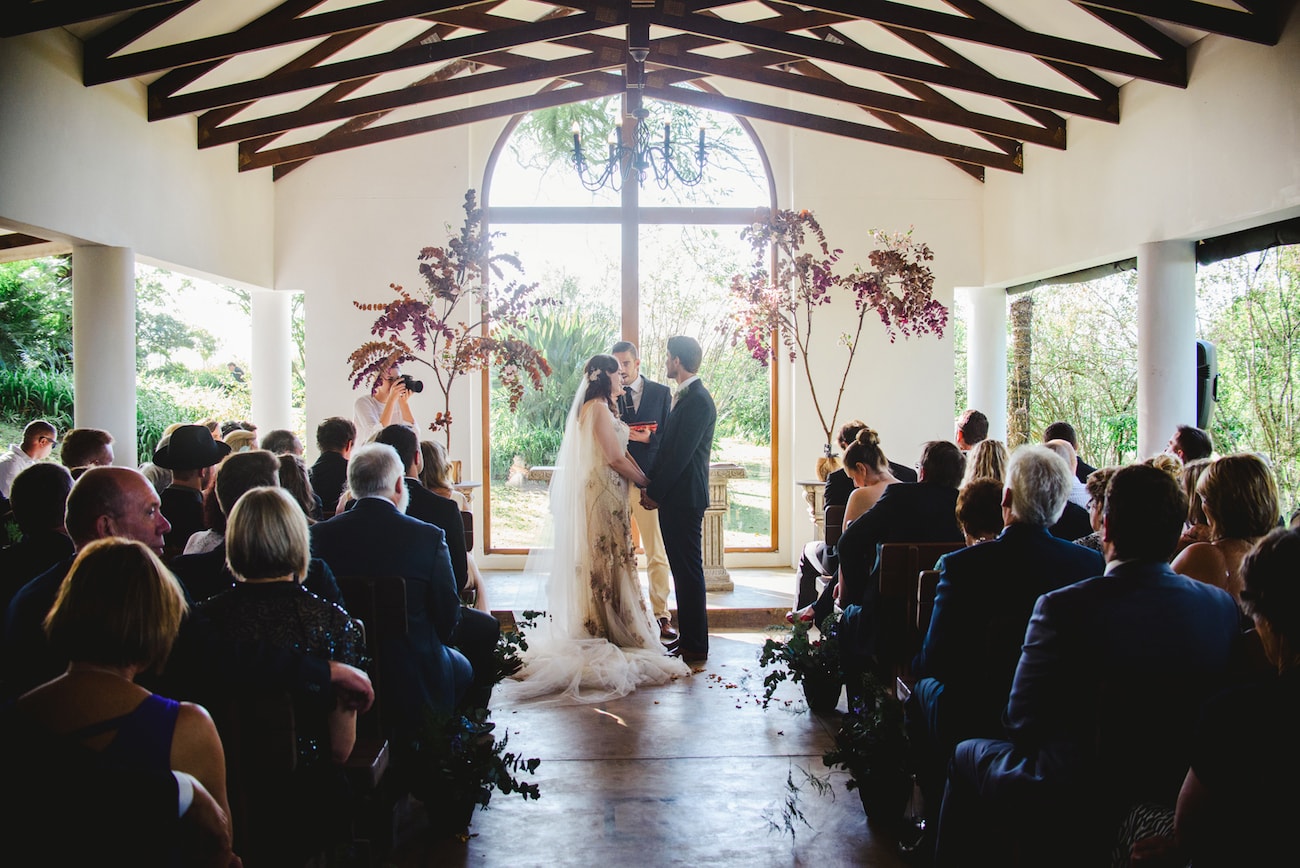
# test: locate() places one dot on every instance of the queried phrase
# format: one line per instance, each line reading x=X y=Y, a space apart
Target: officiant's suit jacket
x=374 y=539
x=656 y=404
x=985 y=596
x=680 y=477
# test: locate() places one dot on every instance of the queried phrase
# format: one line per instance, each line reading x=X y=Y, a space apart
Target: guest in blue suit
x=679 y=483
x=376 y=538
x=982 y=605
x=1105 y=694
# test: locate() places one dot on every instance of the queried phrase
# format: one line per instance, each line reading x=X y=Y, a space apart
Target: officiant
x=644 y=406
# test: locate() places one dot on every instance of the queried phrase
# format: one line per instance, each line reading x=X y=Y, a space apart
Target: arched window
x=641 y=263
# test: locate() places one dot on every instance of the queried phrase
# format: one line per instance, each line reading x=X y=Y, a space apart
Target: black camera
x=412 y=384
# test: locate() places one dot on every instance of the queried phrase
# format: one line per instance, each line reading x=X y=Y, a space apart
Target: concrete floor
x=688 y=773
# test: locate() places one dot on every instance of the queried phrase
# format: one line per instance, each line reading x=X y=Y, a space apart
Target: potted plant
x=460 y=321
x=813 y=662
x=897 y=286
x=872 y=746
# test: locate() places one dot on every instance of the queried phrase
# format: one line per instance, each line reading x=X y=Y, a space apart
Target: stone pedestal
x=813 y=491
x=716 y=577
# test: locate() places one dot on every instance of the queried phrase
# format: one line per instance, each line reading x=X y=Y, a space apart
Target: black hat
x=190 y=447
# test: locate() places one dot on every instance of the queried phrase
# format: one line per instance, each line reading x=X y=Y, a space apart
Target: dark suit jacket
x=183 y=509
x=328 y=477
x=205 y=575
x=1112 y=673
x=837 y=490
x=374 y=539
x=681 y=472
x=443 y=512
x=1074 y=524
x=28 y=660
x=985 y=596
x=28 y=558
x=906 y=512
x=902 y=472
x=656 y=404
x=1082 y=469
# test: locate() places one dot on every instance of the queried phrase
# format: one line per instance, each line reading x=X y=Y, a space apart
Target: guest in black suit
x=1065 y=431
x=645 y=402
x=206 y=574
x=478 y=632
x=924 y=511
x=982 y=605
x=1105 y=694
x=329 y=475
x=375 y=538
x=679 y=483
x=190 y=454
x=39 y=496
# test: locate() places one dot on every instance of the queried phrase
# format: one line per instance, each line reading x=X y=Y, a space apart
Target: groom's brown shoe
x=667 y=634
x=690 y=656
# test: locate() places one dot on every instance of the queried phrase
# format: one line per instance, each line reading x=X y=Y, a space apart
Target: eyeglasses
x=49 y=440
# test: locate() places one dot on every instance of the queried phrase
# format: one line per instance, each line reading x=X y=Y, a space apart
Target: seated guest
x=1240 y=497
x=1097 y=482
x=104 y=502
x=1168 y=463
x=979 y=510
x=329 y=475
x=1065 y=431
x=190 y=454
x=1074 y=522
x=1239 y=799
x=1111 y=672
x=376 y=538
x=868 y=468
x=434 y=473
x=818 y=559
x=981 y=608
x=1189 y=443
x=923 y=511
x=87 y=447
x=206 y=573
x=972 y=427
x=231 y=425
x=39 y=440
x=40 y=494
x=267 y=550
x=293 y=479
x=282 y=442
x=241 y=440
x=1197 y=527
x=116 y=615
x=986 y=458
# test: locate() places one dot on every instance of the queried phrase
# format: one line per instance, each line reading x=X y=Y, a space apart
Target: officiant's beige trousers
x=652 y=540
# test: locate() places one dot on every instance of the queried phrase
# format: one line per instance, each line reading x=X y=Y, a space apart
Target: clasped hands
x=646 y=502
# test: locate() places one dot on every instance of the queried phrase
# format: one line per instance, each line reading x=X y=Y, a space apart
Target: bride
x=600 y=641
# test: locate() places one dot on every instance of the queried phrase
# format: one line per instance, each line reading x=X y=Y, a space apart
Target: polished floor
x=693 y=772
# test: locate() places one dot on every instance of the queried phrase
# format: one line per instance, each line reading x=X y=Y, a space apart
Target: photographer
x=386 y=404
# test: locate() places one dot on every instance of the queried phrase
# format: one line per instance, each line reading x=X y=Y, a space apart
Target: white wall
x=1222 y=155
x=84 y=163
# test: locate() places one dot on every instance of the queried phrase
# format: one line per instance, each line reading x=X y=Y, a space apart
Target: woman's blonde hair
x=1191 y=477
x=118 y=606
x=436 y=472
x=987 y=459
x=266 y=536
x=1241 y=496
x=241 y=440
x=865 y=450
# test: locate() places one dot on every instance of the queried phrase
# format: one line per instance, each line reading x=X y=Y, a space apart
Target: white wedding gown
x=599 y=641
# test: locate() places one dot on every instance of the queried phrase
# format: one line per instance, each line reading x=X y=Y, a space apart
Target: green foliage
x=455 y=760
x=160 y=402
x=1249 y=307
x=158 y=331
x=800 y=655
x=790 y=816
x=511 y=644
x=872 y=744
x=1084 y=365
x=27 y=394
x=36 y=314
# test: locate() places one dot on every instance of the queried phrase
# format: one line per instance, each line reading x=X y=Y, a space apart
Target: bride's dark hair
x=598 y=372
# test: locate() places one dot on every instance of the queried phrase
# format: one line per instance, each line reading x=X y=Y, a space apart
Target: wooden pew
x=900 y=570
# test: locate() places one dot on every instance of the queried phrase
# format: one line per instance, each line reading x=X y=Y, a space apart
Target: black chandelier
x=648 y=154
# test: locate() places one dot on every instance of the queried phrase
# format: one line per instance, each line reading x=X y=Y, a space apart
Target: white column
x=986 y=356
x=103 y=345
x=1166 y=391
x=271 y=376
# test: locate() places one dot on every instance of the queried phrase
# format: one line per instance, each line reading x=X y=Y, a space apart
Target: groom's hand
x=646 y=502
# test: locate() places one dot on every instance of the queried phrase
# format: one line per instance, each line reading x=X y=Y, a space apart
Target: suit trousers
x=683 y=529
x=656 y=558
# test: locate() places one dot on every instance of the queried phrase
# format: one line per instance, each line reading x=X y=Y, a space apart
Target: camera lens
x=412 y=384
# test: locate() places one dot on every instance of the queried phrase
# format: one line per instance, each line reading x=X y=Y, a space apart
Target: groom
x=680 y=483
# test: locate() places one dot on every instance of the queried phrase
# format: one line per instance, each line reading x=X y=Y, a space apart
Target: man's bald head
x=115 y=501
x=1066 y=451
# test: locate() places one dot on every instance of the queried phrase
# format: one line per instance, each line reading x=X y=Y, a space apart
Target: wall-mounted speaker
x=1207 y=383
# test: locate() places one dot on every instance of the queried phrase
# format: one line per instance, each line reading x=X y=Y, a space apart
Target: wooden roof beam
x=1252 y=27
x=30 y=17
